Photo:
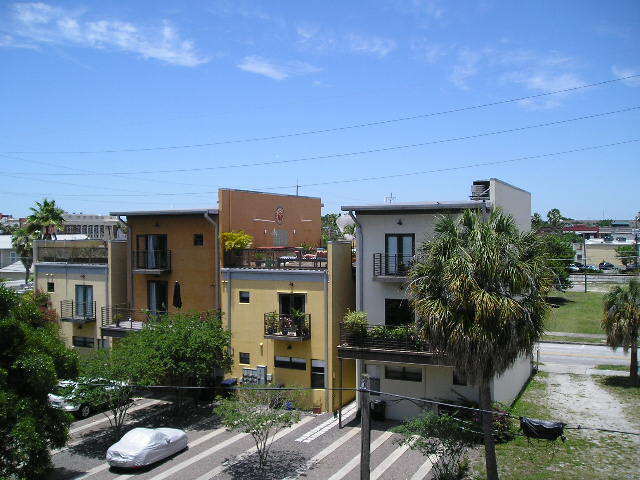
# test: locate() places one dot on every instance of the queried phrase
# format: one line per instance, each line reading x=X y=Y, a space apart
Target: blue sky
x=113 y=76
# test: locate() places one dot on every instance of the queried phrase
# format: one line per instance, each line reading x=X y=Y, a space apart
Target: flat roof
x=415 y=206
x=140 y=213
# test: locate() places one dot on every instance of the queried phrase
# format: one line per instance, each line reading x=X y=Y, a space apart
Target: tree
x=32 y=359
x=236 y=240
x=621 y=321
x=330 y=230
x=537 y=222
x=260 y=413
x=559 y=253
x=554 y=219
x=604 y=223
x=7 y=229
x=443 y=439
x=627 y=254
x=45 y=219
x=479 y=288
x=22 y=241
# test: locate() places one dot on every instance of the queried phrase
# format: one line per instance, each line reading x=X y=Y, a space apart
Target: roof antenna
x=390 y=198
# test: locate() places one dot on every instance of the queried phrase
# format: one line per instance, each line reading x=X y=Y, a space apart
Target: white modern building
x=387 y=236
x=104 y=227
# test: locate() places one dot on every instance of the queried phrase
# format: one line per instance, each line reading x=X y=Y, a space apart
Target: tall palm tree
x=621 y=321
x=45 y=219
x=479 y=291
x=22 y=241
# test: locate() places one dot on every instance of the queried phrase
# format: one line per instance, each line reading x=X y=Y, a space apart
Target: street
x=584 y=355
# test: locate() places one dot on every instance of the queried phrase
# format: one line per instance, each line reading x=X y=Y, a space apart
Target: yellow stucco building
x=284 y=324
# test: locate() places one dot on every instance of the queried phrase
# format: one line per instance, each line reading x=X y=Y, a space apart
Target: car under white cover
x=143 y=446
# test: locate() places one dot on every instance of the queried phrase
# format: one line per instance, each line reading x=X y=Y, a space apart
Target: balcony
x=292 y=328
x=385 y=343
x=392 y=268
x=118 y=321
x=151 y=262
x=77 y=312
x=277 y=258
x=58 y=253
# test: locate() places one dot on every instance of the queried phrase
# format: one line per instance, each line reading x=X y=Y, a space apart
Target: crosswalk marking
x=193 y=444
x=220 y=468
x=387 y=462
x=354 y=461
x=327 y=425
x=423 y=471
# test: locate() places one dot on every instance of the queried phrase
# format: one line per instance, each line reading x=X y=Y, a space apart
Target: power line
x=333 y=129
x=361 y=152
x=380 y=177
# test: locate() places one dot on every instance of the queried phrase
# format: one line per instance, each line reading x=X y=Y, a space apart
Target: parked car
x=573 y=268
x=606 y=266
x=145 y=446
x=62 y=398
x=631 y=268
x=590 y=268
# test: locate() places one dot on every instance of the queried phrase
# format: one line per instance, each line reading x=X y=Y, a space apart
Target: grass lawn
x=626 y=393
x=585 y=455
x=622 y=368
x=577 y=312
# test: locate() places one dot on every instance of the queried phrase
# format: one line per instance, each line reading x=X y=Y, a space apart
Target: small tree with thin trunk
x=621 y=321
x=479 y=290
x=22 y=241
x=261 y=414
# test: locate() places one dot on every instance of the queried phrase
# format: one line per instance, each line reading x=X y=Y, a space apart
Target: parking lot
x=313 y=448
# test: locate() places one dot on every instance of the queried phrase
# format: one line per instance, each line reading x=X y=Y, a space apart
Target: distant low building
x=105 y=227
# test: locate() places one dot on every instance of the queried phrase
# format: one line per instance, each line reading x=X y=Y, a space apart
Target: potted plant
x=271 y=323
x=355 y=324
x=233 y=244
x=297 y=322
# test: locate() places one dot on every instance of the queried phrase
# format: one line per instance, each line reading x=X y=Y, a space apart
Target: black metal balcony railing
x=118 y=320
x=85 y=255
x=281 y=258
x=152 y=260
x=382 y=337
x=391 y=265
x=71 y=311
x=287 y=327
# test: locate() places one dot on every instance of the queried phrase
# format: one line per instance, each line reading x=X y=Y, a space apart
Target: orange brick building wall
x=271 y=219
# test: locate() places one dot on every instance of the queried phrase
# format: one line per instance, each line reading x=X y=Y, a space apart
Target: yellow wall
x=192 y=266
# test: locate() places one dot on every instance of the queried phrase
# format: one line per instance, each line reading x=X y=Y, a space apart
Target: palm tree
x=22 y=241
x=478 y=289
x=621 y=321
x=45 y=219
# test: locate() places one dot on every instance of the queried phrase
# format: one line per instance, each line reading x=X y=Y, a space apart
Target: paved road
x=313 y=448
x=584 y=355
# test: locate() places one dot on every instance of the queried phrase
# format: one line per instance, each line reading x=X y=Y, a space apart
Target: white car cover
x=144 y=446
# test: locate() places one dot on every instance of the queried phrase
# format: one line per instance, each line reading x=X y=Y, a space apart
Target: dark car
x=606 y=266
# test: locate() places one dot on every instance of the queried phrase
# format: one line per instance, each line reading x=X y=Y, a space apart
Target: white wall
x=507 y=386
x=512 y=200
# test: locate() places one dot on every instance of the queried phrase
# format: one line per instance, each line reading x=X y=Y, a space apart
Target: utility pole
x=297 y=187
x=584 y=256
x=365 y=427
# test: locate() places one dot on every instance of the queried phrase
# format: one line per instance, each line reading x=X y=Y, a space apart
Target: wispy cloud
x=43 y=24
x=429 y=9
x=318 y=40
x=276 y=71
x=428 y=51
x=625 y=72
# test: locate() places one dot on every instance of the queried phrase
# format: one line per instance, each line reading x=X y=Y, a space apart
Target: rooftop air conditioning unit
x=480 y=190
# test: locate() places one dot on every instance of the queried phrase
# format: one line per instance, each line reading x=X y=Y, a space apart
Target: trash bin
x=378 y=410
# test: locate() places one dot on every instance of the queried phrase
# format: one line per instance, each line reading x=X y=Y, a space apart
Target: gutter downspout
x=359 y=289
x=216 y=267
x=129 y=260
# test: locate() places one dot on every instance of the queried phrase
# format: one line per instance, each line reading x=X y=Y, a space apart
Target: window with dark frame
x=317 y=373
x=398 y=312
x=459 y=378
x=85 y=342
x=407 y=374
x=290 y=362
x=51 y=287
x=198 y=239
x=399 y=250
x=244 y=297
x=245 y=358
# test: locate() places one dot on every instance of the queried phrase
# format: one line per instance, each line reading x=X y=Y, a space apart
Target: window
x=290 y=302
x=85 y=342
x=397 y=312
x=84 y=301
x=102 y=343
x=198 y=239
x=157 y=296
x=408 y=374
x=459 y=377
x=290 y=362
x=51 y=287
x=317 y=373
x=399 y=250
x=245 y=297
x=245 y=358
x=151 y=251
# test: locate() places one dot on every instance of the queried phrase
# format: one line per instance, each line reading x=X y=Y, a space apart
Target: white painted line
x=93 y=471
x=355 y=461
x=327 y=425
x=387 y=462
x=220 y=468
x=102 y=420
x=423 y=471
x=193 y=444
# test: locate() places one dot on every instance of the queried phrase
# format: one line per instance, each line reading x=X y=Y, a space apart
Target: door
x=291 y=302
x=280 y=238
x=399 y=250
x=84 y=301
x=157 y=292
x=152 y=251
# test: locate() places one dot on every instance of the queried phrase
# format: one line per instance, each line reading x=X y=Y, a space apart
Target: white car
x=143 y=446
x=62 y=398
